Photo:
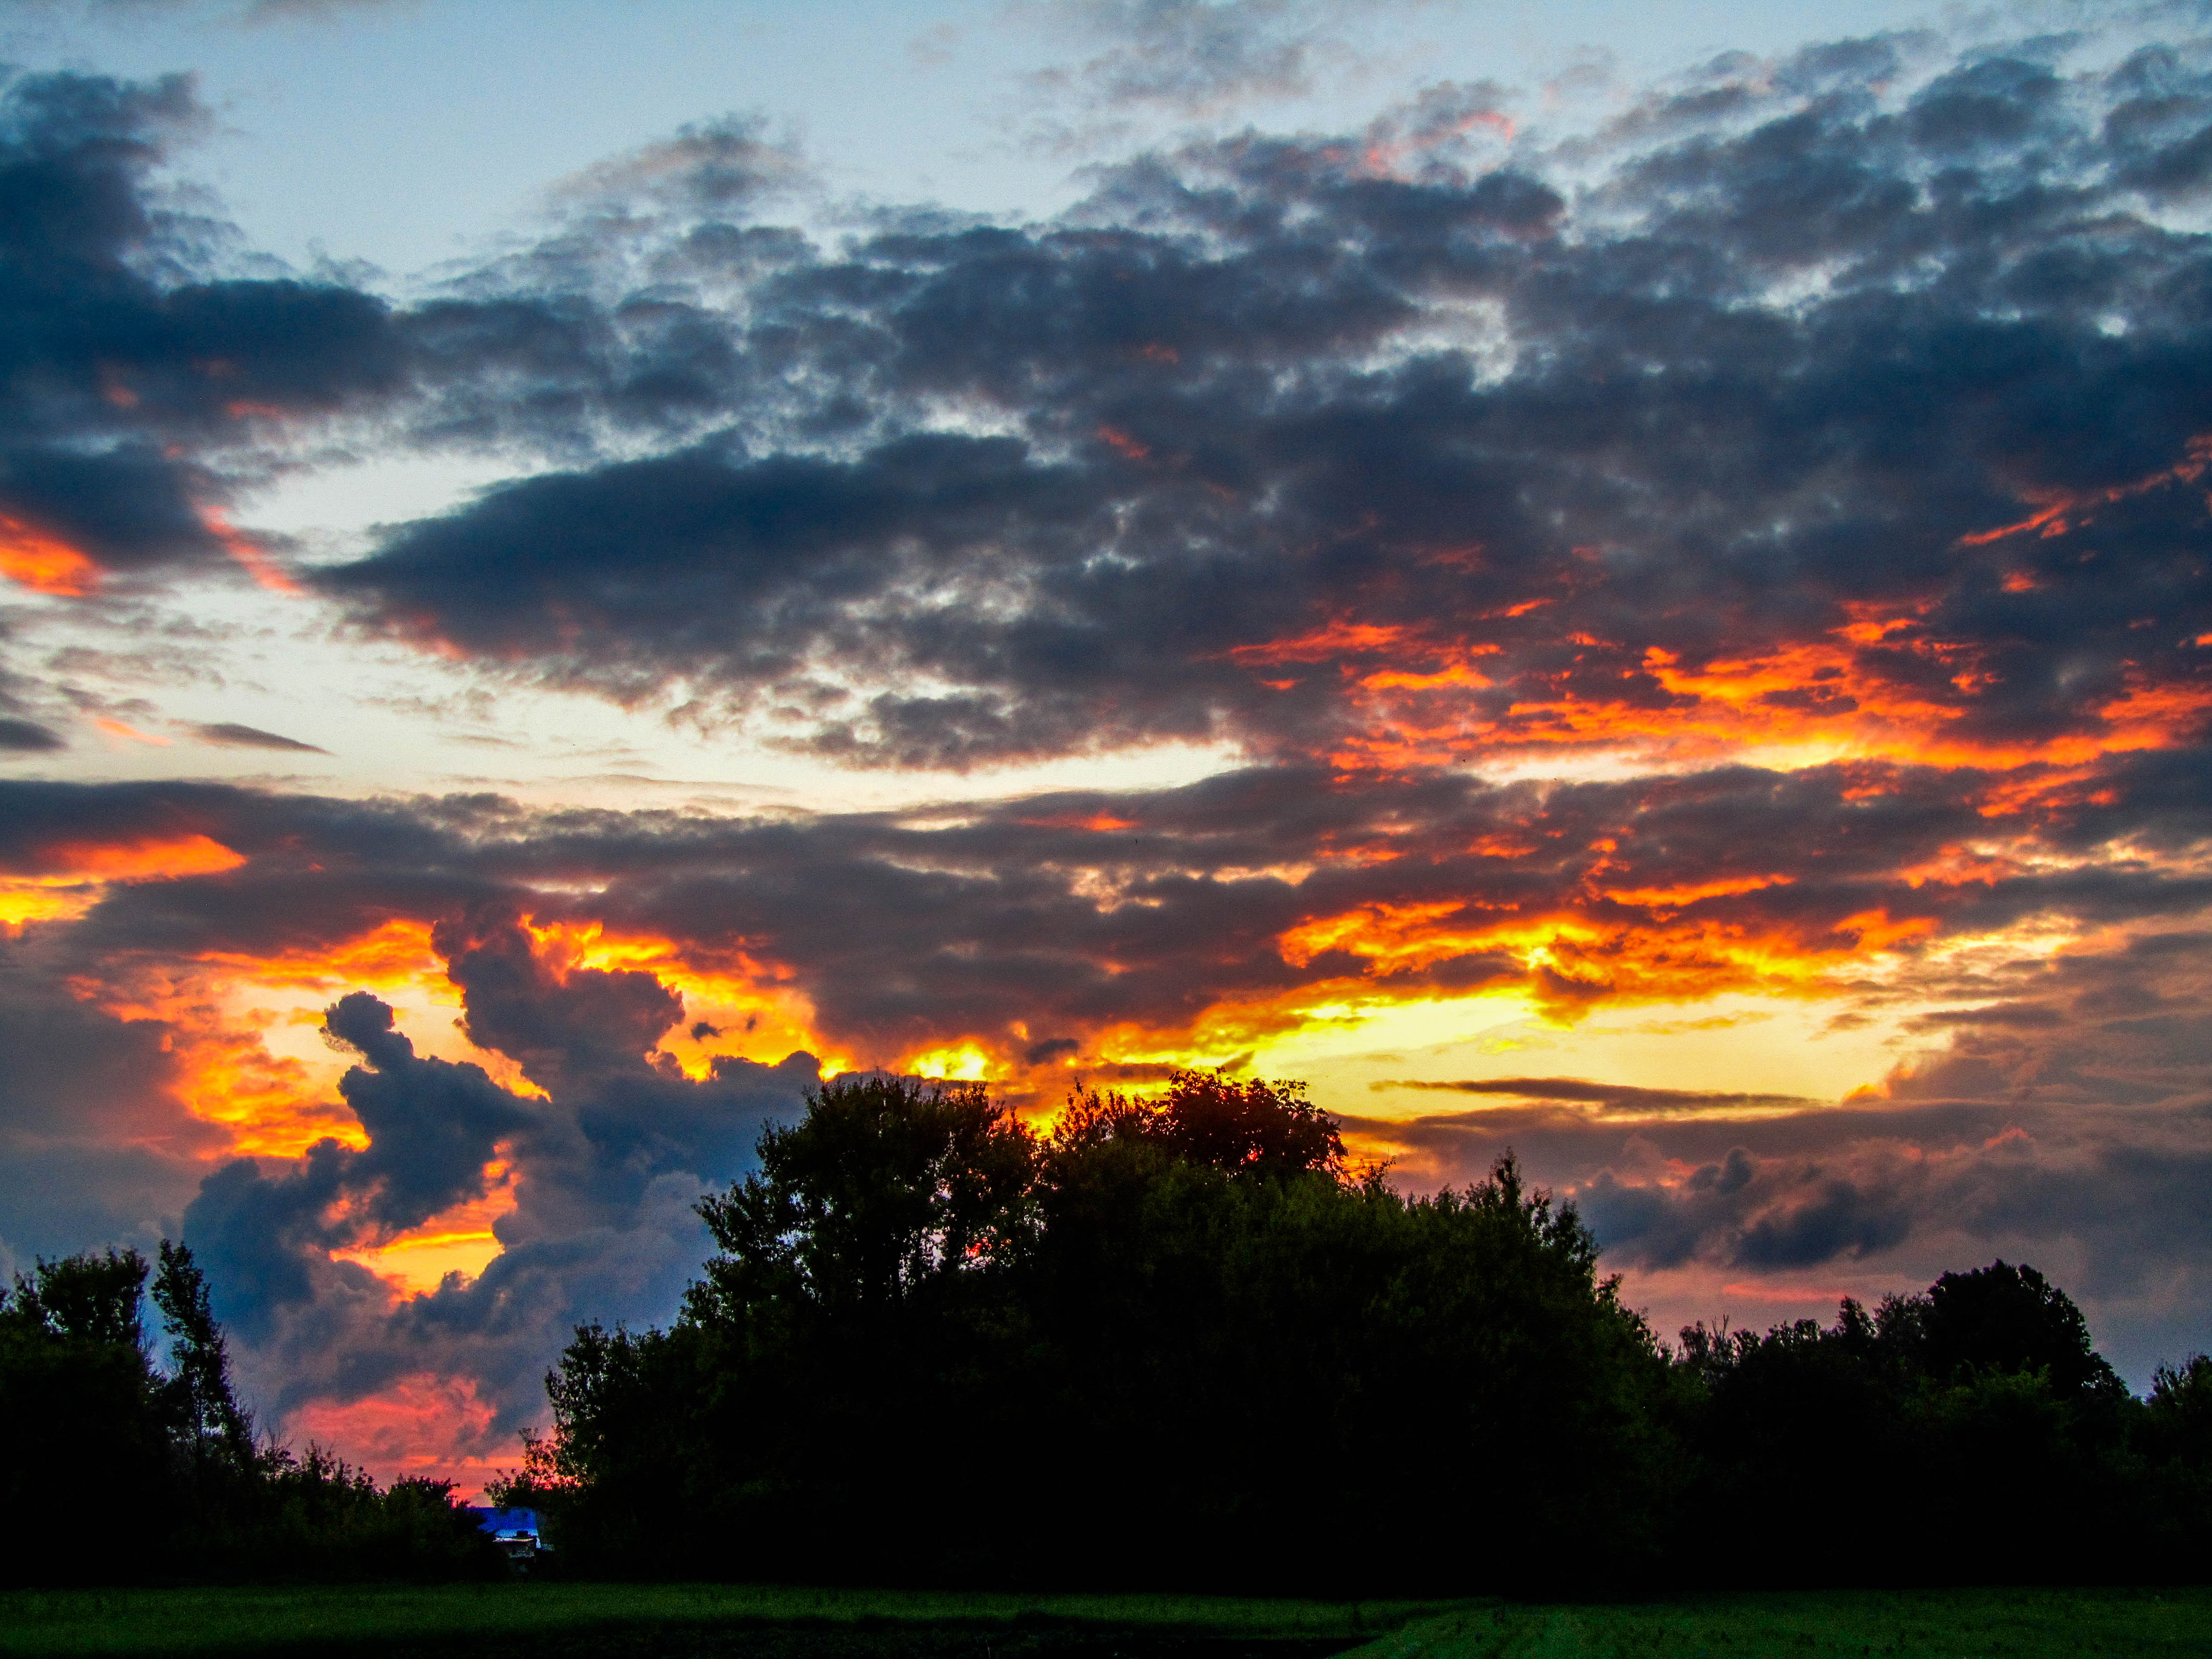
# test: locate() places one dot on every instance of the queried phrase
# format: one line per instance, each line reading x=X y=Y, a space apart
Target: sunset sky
x=1628 y=582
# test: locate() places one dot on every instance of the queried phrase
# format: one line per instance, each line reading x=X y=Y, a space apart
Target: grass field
x=615 y=1621
x=1912 y=1624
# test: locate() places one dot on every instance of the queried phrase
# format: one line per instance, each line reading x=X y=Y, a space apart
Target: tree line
x=1182 y=1340
x=1185 y=1340
x=119 y=1468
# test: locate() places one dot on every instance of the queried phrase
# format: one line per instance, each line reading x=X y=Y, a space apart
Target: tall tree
x=217 y=1431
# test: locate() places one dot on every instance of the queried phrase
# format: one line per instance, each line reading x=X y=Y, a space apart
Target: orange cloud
x=245 y=1029
x=62 y=880
x=459 y=1240
x=1831 y=697
x=1104 y=824
x=754 y=1007
x=425 y=1425
x=1322 y=644
x=2060 y=511
x=1568 y=959
x=130 y=733
x=44 y=564
x=252 y=557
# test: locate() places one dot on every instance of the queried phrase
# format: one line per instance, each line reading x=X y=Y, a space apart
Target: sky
x=1627 y=583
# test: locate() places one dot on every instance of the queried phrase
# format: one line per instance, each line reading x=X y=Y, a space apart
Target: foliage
x=1182 y=1340
x=1177 y=1341
x=135 y=1471
x=1970 y=1433
x=1158 y=1337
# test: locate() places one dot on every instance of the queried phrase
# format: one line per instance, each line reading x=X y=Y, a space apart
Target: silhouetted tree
x=217 y=1434
x=118 y=1470
x=1999 y=1440
x=85 y=1438
x=1175 y=1328
x=2006 y=1319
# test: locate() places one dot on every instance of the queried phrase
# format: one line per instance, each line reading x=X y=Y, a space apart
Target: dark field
x=617 y=1621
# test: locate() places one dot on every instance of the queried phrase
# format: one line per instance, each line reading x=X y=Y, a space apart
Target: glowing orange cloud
x=1322 y=644
x=44 y=564
x=1570 y=958
x=245 y=1029
x=425 y=1426
x=1659 y=899
x=62 y=881
x=1104 y=824
x=1826 y=698
x=150 y=858
x=2060 y=512
x=753 y=1003
x=459 y=1240
x=252 y=557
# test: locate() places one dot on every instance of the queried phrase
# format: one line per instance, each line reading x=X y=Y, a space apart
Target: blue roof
x=505 y=1520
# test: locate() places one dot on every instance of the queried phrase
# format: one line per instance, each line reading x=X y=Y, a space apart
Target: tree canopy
x=1183 y=1337
x=100 y=1430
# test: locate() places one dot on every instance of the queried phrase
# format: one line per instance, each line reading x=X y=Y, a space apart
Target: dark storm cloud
x=128 y=366
x=432 y=1127
x=145 y=381
x=1771 y=377
x=608 y=1168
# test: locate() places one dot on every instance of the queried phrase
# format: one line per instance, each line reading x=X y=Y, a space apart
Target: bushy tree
x=120 y=1469
x=1990 y=1441
x=1179 y=1327
x=87 y=1434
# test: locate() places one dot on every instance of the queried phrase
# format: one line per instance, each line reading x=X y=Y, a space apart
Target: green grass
x=246 y=1620
x=2022 y=1623
x=609 y=1621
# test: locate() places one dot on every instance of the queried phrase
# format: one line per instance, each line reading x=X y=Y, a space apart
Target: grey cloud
x=97 y=1144
x=27 y=737
x=1194 y=58
x=231 y=735
x=606 y=1170
x=1793 y=357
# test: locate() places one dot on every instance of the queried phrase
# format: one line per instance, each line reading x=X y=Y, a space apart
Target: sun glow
x=459 y=1240
x=960 y=1062
x=737 y=1004
x=247 y=1030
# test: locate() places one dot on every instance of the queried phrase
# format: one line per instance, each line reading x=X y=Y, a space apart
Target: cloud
x=604 y=1172
x=1611 y=1097
x=26 y=737
x=97 y=1143
x=135 y=365
x=1194 y=58
x=230 y=734
x=1830 y=408
x=1754 y=550
x=241 y=11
